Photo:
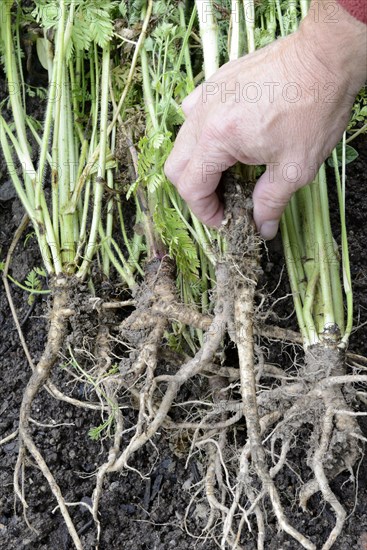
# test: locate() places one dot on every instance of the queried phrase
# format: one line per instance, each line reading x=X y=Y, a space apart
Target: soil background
x=137 y=513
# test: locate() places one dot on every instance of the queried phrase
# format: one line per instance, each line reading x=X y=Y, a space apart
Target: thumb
x=272 y=193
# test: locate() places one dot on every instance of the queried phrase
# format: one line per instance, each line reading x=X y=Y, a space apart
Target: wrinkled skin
x=285 y=106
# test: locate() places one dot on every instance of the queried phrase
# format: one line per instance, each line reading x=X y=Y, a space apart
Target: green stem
x=321 y=255
x=53 y=115
x=17 y=108
x=249 y=9
x=109 y=223
x=19 y=53
x=99 y=185
x=29 y=207
x=209 y=36
x=27 y=288
x=185 y=47
x=235 y=38
x=357 y=133
x=347 y=280
x=148 y=94
x=309 y=304
x=296 y=250
x=134 y=247
x=293 y=279
x=123 y=269
x=305 y=4
x=293 y=15
x=306 y=212
x=280 y=18
x=331 y=254
x=271 y=20
x=66 y=148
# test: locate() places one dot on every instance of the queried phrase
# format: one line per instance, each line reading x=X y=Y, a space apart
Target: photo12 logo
x=253 y=92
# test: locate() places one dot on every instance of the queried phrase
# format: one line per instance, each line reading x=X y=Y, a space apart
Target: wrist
x=338 y=41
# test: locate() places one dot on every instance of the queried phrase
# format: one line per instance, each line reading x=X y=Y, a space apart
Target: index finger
x=183 y=148
x=200 y=178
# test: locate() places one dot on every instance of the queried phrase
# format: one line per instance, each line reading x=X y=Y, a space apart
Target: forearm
x=357 y=8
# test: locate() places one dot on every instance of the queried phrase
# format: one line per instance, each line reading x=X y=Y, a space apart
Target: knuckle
x=221 y=130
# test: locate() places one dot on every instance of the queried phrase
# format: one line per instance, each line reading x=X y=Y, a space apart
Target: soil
x=146 y=513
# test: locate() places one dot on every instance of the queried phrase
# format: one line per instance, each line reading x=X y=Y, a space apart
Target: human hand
x=284 y=106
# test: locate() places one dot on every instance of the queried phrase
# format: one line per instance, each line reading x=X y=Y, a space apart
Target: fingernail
x=269 y=230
